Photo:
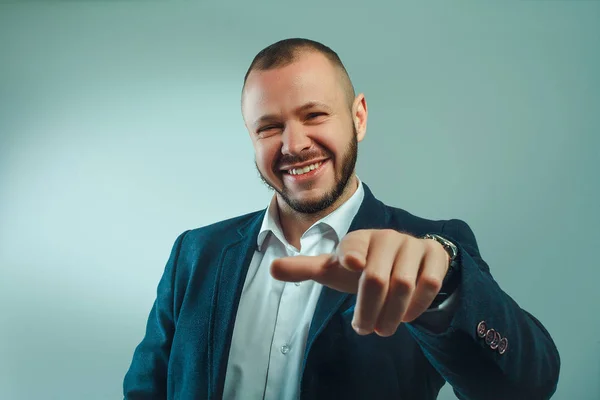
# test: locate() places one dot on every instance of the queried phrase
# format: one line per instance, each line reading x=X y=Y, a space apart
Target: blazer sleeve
x=528 y=368
x=147 y=375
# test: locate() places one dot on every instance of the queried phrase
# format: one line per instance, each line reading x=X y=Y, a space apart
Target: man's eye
x=314 y=115
x=267 y=128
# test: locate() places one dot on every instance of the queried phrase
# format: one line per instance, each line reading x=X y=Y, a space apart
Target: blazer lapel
x=371 y=215
x=232 y=270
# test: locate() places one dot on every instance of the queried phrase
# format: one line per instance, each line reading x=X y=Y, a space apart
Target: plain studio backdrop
x=120 y=127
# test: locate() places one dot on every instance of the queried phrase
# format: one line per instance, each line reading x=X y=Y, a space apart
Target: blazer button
x=495 y=341
x=481 y=329
x=503 y=345
x=489 y=337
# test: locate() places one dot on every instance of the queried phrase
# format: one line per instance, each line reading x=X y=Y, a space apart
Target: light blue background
x=120 y=128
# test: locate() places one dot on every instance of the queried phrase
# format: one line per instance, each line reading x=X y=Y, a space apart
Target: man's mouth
x=304 y=170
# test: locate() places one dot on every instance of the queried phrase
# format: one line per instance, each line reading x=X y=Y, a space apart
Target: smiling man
x=328 y=293
x=305 y=125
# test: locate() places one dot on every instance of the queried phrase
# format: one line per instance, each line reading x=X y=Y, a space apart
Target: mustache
x=300 y=158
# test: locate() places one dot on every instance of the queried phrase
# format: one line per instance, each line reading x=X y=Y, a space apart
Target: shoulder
x=218 y=231
x=228 y=226
x=206 y=243
x=405 y=221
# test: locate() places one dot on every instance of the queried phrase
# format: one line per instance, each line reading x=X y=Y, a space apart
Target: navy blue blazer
x=184 y=352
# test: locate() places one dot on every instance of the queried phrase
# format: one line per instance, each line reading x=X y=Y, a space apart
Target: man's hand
x=396 y=276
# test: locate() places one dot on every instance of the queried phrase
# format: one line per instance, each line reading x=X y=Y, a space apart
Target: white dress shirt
x=273 y=318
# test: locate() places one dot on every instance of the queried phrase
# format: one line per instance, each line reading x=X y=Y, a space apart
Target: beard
x=340 y=182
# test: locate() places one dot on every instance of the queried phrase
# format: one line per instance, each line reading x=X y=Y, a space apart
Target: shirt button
x=297 y=283
x=285 y=349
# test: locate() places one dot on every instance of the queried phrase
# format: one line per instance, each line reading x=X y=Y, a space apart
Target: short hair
x=286 y=51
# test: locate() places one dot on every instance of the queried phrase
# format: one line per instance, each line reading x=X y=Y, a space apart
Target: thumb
x=301 y=268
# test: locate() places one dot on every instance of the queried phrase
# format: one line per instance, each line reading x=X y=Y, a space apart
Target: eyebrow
x=313 y=104
x=307 y=106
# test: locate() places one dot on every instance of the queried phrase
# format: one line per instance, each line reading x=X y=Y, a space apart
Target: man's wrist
x=452 y=277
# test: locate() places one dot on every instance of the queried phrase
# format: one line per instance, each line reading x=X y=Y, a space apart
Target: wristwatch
x=450 y=280
x=450 y=247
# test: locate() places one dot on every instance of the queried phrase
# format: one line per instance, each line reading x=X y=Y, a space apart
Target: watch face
x=448 y=245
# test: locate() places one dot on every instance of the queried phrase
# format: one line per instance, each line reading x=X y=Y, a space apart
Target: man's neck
x=294 y=224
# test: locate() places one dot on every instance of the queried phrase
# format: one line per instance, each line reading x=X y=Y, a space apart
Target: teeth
x=308 y=168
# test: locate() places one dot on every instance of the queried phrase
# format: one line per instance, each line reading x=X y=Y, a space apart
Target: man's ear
x=359 y=116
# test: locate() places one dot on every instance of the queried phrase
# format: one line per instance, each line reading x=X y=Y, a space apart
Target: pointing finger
x=324 y=269
x=300 y=268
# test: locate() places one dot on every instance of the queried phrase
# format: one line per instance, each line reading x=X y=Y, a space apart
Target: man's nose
x=294 y=139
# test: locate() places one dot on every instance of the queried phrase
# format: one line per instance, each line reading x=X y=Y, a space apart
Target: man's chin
x=303 y=198
x=308 y=204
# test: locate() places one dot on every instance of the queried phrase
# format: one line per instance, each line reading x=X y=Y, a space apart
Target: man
x=328 y=293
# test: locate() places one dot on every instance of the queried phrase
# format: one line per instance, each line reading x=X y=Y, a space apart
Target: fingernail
x=385 y=332
x=359 y=330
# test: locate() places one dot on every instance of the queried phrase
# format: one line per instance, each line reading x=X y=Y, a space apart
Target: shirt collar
x=339 y=220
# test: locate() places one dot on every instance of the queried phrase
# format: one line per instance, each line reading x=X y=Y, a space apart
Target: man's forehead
x=293 y=85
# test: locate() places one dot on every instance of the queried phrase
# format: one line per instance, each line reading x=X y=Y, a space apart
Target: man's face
x=304 y=131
